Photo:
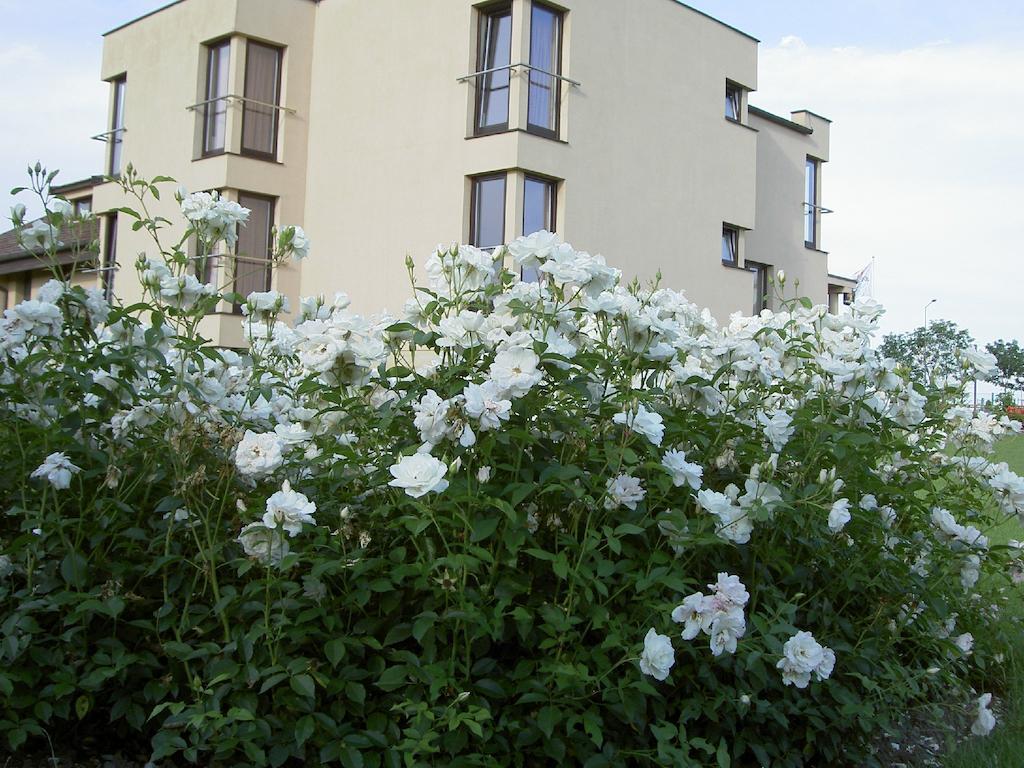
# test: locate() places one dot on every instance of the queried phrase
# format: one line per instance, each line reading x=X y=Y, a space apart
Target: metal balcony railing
x=233 y=97
x=513 y=68
x=107 y=135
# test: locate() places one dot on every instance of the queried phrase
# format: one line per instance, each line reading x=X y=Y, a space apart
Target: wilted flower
x=984 y=720
x=624 y=490
x=57 y=469
x=267 y=545
x=839 y=515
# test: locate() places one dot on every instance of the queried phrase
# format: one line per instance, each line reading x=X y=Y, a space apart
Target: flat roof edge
x=717 y=21
x=784 y=122
x=143 y=16
x=151 y=13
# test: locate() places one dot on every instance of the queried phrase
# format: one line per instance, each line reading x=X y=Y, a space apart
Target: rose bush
x=522 y=523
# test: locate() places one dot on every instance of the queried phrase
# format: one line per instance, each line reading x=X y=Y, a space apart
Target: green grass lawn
x=1004 y=748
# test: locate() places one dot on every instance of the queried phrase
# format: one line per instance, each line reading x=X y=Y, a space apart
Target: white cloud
x=925 y=174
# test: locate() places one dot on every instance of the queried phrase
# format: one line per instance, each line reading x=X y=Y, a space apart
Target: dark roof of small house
x=78 y=239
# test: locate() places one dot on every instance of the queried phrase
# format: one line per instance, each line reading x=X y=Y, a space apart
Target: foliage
x=1009 y=357
x=931 y=350
x=469 y=536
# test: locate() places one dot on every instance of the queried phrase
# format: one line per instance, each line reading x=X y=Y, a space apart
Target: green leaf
x=335 y=651
x=547 y=719
x=355 y=692
x=73 y=569
x=82 y=704
x=303 y=685
x=722 y=755
x=392 y=678
x=16 y=737
x=304 y=729
x=351 y=757
x=483 y=527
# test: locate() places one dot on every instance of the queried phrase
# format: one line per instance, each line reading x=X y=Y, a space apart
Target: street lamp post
x=926 y=311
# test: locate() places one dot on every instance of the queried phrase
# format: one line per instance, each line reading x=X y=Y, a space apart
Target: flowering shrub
x=525 y=522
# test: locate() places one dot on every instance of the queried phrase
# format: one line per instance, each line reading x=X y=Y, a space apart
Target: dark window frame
x=474 y=213
x=484 y=16
x=734 y=89
x=207 y=118
x=82 y=201
x=236 y=309
x=115 y=155
x=761 y=273
x=811 y=214
x=552 y=215
x=551 y=182
x=733 y=233
x=109 y=262
x=556 y=87
x=255 y=153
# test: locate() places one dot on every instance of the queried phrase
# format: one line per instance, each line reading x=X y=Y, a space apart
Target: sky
x=927 y=160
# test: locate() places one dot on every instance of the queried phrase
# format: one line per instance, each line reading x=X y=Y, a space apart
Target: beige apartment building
x=386 y=127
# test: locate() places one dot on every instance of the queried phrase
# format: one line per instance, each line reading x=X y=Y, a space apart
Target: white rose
x=419 y=474
x=289 y=509
x=658 y=655
x=258 y=454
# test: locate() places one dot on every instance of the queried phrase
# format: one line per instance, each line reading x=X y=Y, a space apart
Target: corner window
x=812 y=174
x=109 y=266
x=487 y=212
x=545 y=64
x=538 y=213
x=215 y=110
x=733 y=102
x=116 y=135
x=760 y=275
x=494 y=55
x=730 y=245
x=253 y=250
x=262 y=94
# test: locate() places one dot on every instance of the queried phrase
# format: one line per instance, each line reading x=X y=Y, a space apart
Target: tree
x=929 y=350
x=1009 y=357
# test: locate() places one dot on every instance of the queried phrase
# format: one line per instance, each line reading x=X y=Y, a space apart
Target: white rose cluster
x=718 y=614
x=803 y=656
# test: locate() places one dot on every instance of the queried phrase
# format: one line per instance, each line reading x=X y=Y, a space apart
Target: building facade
x=386 y=127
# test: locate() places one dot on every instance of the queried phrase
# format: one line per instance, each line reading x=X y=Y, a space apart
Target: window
x=538 y=213
x=253 y=250
x=546 y=62
x=83 y=206
x=494 y=52
x=811 y=177
x=730 y=245
x=733 y=102
x=760 y=273
x=109 y=266
x=215 y=110
x=262 y=91
x=487 y=212
x=116 y=136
